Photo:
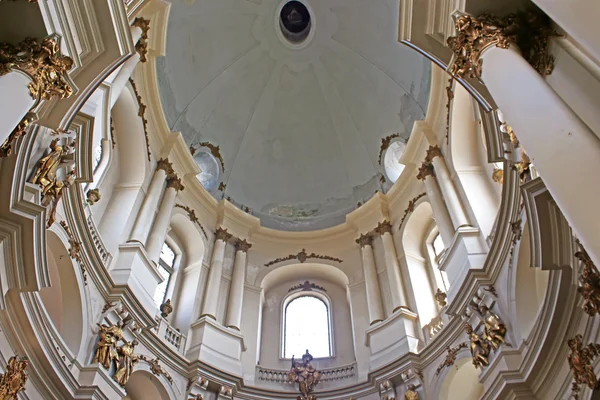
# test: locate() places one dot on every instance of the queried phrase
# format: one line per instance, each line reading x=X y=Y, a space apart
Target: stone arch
x=65 y=299
x=468 y=156
x=460 y=381
x=528 y=286
x=143 y=385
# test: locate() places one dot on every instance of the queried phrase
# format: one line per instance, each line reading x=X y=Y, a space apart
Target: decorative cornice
x=302 y=257
x=383 y=228
x=433 y=152
x=21 y=129
x=307 y=287
x=142 y=45
x=365 y=240
x=242 y=245
x=175 y=182
x=385 y=144
x=425 y=170
x=43 y=62
x=142 y=115
x=165 y=165
x=222 y=234
x=192 y=216
x=410 y=208
x=214 y=150
x=450 y=357
x=529 y=30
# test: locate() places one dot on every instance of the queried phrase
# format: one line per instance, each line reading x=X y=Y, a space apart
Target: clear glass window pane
x=306 y=328
x=167 y=255
x=438 y=245
x=161 y=289
x=97 y=156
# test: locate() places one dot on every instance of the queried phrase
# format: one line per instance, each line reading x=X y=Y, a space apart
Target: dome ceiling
x=298 y=103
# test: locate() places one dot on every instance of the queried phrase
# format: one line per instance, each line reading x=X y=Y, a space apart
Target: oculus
x=295 y=22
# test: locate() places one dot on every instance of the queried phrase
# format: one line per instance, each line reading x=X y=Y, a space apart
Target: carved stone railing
x=97 y=239
x=433 y=327
x=170 y=335
x=327 y=375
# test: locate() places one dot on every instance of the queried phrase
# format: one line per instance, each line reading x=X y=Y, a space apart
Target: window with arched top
x=166 y=267
x=98 y=152
x=307 y=326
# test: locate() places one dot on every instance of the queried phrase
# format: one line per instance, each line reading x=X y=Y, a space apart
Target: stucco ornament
x=21 y=129
x=495 y=330
x=14 y=379
x=480 y=349
x=306 y=375
x=580 y=361
x=589 y=283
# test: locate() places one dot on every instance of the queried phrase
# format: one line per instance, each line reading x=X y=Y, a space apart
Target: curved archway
x=299 y=271
x=64 y=299
x=461 y=382
x=142 y=385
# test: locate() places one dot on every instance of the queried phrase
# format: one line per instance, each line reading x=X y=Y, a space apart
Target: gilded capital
x=165 y=165
x=222 y=234
x=529 y=31
x=433 y=152
x=425 y=170
x=43 y=62
x=384 y=227
x=365 y=240
x=242 y=245
x=174 y=182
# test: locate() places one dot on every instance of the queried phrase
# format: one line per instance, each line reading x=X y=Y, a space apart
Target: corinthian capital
x=165 y=165
x=242 y=245
x=365 y=240
x=433 y=152
x=222 y=234
x=425 y=171
x=529 y=31
x=174 y=182
x=384 y=227
x=43 y=62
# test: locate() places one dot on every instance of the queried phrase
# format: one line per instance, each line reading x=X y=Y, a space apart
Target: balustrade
x=170 y=335
x=327 y=375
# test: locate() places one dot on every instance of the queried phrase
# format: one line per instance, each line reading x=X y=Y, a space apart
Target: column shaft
x=373 y=291
x=397 y=290
x=236 y=290
x=144 y=220
x=213 y=284
x=563 y=149
x=440 y=212
x=453 y=202
x=158 y=233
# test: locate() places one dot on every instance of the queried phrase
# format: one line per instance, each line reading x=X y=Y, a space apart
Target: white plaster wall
x=360 y=324
x=251 y=321
x=341 y=325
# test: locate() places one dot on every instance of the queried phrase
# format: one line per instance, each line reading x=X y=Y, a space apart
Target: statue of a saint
x=45 y=175
x=106 y=351
x=306 y=376
x=495 y=330
x=125 y=362
x=14 y=379
x=480 y=349
x=411 y=393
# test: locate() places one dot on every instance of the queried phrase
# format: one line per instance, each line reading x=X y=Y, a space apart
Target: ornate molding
x=307 y=287
x=142 y=45
x=242 y=245
x=142 y=114
x=192 y=216
x=383 y=228
x=302 y=257
x=529 y=30
x=43 y=62
x=21 y=129
x=580 y=362
x=425 y=170
x=589 y=283
x=385 y=144
x=13 y=381
x=214 y=150
x=410 y=208
x=156 y=368
x=175 y=182
x=450 y=357
x=222 y=234
x=365 y=240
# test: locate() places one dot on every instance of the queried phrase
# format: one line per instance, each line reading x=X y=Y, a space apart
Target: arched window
x=97 y=156
x=166 y=266
x=306 y=327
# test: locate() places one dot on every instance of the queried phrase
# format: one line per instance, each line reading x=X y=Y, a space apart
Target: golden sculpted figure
x=106 y=350
x=495 y=330
x=589 y=283
x=125 y=362
x=13 y=380
x=306 y=376
x=580 y=362
x=411 y=393
x=480 y=349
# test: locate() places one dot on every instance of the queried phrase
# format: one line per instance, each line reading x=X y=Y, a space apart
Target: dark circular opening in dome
x=294 y=21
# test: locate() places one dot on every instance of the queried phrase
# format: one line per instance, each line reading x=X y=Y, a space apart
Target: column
x=438 y=207
x=236 y=290
x=213 y=284
x=145 y=217
x=371 y=280
x=393 y=267
x=163 y=218
x=564 y=150
x=442 y=176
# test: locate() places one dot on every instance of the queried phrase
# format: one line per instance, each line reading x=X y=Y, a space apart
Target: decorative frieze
x=529 y=30
x=302 y=257
x=410 y=208
x=142 y=115
x=307 y=287
x=43 y=62
x=156 y=368
x=192 y=216
x=450 y=357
